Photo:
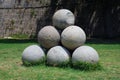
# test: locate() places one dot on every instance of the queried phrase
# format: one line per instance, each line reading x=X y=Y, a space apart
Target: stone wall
x=23 y=3
x=98 y=18
x=21 y=16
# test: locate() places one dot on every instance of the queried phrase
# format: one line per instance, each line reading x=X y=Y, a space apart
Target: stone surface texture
x=33 y=54
x=73 y=37
x=85 y=54
x=63 y=18
x=58 y=55
x=48 y=37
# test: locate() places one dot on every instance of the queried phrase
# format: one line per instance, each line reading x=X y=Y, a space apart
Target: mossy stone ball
x=57 y=56
x=63 y=18
x=85 y=54
x=48 y=37
x=73 y=37
x=33 y=55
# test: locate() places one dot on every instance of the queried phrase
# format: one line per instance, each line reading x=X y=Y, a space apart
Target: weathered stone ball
x=63 y=18
x=85 y=54
x=73 y=37
x=58 y=56
x=33 y=55
x=48 y=37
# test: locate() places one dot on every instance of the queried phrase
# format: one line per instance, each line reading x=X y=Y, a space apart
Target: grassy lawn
x=11 y=67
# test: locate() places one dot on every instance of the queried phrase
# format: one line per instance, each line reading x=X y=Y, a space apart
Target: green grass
x=11 y=67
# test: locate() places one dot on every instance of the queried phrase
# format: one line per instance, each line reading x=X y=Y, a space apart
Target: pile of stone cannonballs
x=60 y=43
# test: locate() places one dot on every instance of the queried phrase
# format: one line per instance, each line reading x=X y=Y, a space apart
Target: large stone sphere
x=63 y=18
x=58 y=56
x=85 y=54
x=33 y=55
x=73 y=37
x=48 y=37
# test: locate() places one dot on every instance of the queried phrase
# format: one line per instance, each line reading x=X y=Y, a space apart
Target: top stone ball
x=63 y=18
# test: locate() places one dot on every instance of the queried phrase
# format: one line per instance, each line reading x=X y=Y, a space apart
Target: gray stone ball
x=58 y=56
x=48 y=37
x=73 y=37
x=33 y=55
x=85 y=54
x=63 y=18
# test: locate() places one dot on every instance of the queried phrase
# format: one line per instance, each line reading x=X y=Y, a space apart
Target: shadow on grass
x=79 y=66
x=32 y=65
x=63 y=65
x=88 y=41
x=102 y=41
x=18 y=40
x=83 y=66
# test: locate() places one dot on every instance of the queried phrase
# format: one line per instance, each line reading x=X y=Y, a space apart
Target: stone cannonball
x=48 y=37
x=33 y=55
x=85 y=54
x=73 y=37
x=58 y=56
x=63 y=18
